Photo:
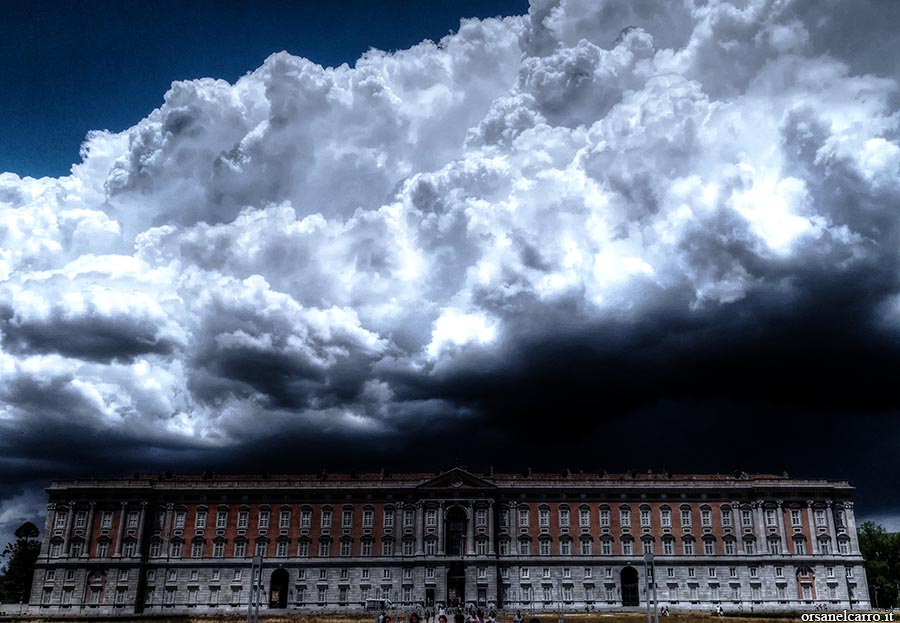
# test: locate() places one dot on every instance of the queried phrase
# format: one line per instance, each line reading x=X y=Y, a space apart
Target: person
x=665 y=611
x=442 y=618
x=459 y=618
x=386 y=619
x=719 y=611
x=518 y=618
x=380 y=617
x=414 y=618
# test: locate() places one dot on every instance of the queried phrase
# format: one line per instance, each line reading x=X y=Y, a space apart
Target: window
x=825 y=546
x=347 y=518
x=770 y=517
x=106 y=520
x=524 y=573
x=584 y=517
x=754 y=572
x=240 y=549
x=732 y=572
x=431 y=517
x=180 y=519
x=587 y=547
x=504 y=547
x=588 y=573
x=545 y=573
x=387 y=548
x=61 y=517
x=200 y=520
x=606 y=547
x=746 y=518
x=243 y=519
x=323 y=574
x=103 y=549
x=216 y=573
x=56 y=549
x=346 y=547
x=504 y=516
x=129 y=550
x=482 y=573
x=625 y=517
x=729 y=548
x=261 y=548
x=523 y=517
x=726 y=517
x=407 y=518
x=774 y=546
x=197 y=549
x=565 y=547
x=800 y=547
x=691 y=572
x=77 y=549
x=545 y=547
x=408 y=548
x=366 y=548
x=665 y=517
x=80 y=519
x=670 y=572
x=779 y=572
x=795 y=517
x=324 y=548
x=429 y=572
x=705 y=517
x=221 y=519
x=132 y=520
x=711 y=572
x=281 y=549
x=263 y=520
x=70 y=575
x=564 y=517
x=176 y=549
x=829 y=571
x=685 y=518
x=844 y=546
x=368 y=518
x=389 y=518
x=284 y=519
x=604 y=518
x=820 y=517
x=155 y=549
x=213 y=595
x=480 y=547
x=172 y=575
x=849 y=572
x=567 y=593
x=305 y=519
x=303 y=548
x=544 y=517
x=628 y=547
x=688 y=548
x=645 y=517
x=525 y=547
x=386 y=574
x=323 y=595
x=749 y=546
x=668 y=547
x=648 y=546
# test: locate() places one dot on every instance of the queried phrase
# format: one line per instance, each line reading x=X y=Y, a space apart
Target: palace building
x=536 y=542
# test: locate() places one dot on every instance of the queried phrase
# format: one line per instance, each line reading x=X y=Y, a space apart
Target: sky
x=588 y=234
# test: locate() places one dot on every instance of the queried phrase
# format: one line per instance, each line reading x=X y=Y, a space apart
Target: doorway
x=456 y=585
x=278 y=589
x=630 y=590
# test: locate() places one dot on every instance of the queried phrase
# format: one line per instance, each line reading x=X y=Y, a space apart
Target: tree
x=17 y=573
x=881 y=550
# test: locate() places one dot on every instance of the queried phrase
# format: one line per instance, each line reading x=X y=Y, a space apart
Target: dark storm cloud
x=604 y=235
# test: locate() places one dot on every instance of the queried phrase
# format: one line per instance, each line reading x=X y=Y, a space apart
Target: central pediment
x=456 y=478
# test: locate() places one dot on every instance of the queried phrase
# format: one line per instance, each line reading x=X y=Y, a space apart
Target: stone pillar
x=781 y=530
x=120 y=532
x=49 y=522
x=813 y=530
x=513 y=529
x=420 y=528
x=490 y=527
x=167 y=529
x=440 y=528
x=850 y=521
x=829 y=516
x=737 y=528
x=89 y=531
x=470 y=530
x=761 y=544
x=68 y=531
x=140 y=534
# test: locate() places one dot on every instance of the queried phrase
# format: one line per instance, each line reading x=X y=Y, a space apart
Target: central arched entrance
x=456 y=585
x=457 y=524
x=630 y=591
x=278 y=589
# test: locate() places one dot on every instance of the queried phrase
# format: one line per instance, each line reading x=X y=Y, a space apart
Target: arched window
x=648 y=544
x=774 y=545
x=586 y=545
x=709 y=545
x=606 y=545
x=749 y=545
x=688 y=545
x=825 y=545
x=727 y=519
x=799 y=545
x=668 y=545
x=628 y=545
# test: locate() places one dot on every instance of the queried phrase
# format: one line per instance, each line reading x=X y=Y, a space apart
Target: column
x=813 y=531
x=48 y=529
x=440 y=528
x=68 y=531
x=89 y=531
x=140 y=534
x=761 y=544
x=851 y=527
x=781 y=530
x=167 y=529
x=121 y=530
x=420 y=528
x=737 y=528
x=470 y=530
x=513 y=529
x=490 y=526
x=829 y=516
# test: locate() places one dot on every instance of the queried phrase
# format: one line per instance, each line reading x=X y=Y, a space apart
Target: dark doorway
x=278 y=589
x=630 y=591
x=457 y=524
x=456 y=585
x=429 y=597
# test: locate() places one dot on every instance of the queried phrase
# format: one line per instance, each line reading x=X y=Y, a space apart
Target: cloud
x=624 y=216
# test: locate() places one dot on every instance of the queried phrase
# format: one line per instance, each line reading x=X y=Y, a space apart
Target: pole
x=655 y=602
x=252 y=580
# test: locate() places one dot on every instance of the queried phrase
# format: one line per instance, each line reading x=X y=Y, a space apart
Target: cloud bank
x=593 y=214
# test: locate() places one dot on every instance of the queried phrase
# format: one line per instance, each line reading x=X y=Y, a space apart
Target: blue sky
x=72 y=67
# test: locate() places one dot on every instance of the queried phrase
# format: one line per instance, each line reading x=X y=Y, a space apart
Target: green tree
x=17 y=573
x=881 y=550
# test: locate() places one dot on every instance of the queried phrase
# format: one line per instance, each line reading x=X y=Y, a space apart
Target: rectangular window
x=820 y=517
x=368 y=518
x=779 y=572
x=408 y=548
x=726 y=518
x=732 y=572
x=261 y=548
x=709 y=548
x=711 y=572
x=326 y=518
x=61 y=517
x=586 y=547
x=565 y=548
x=263 y=520
x=366 y=548
x=221 y=520
x=625 y=517
x=305 y=519
x=668 y=547
x=606 y=547
x=584 y=517
x=347 y=518
x=303 y=549
x=240 y=549
x=200 y=520
x=523 y=517
x=688 y=548
x=284 y=519
x=155 y=549
x=627 y=548
x=176 y=549
x=388 y=518
x=800 y=547
x=129 y=549
x=197 y=549
x=524 y=573
x=481 y=517
x=80 y=519
x=179 y=520
x=544 y=518
x=706 y=518
x=407 y=518
x=685 y=518
x=746 y=518
x=324 y=549
x=345 y=548
x=729 y=548
x=666 y=518
x=525 y=547
x=132 y=520
x=749 y=546
x=795 y=517
x=564 y=517
x=431 y=517
x=243 y=519
x=645 y=517
x=106 y=520
x=770 y=517
x=648 y=547
x=754 y=572
x=387 y=548
x=545 y=548
x=281 y=549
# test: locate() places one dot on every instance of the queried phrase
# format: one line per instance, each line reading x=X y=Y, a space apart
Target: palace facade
x=329 y=542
